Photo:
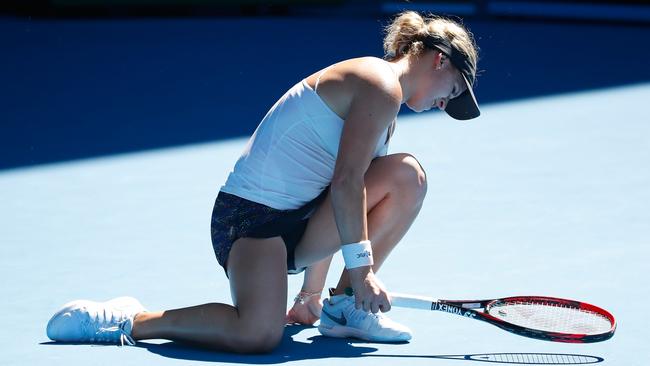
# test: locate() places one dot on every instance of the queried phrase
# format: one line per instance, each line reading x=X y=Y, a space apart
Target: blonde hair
x=405 y=34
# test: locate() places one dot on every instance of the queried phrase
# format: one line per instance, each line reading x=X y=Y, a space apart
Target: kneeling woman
x=313 y=179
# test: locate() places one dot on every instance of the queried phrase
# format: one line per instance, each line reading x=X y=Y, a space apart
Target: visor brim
x=464 y=106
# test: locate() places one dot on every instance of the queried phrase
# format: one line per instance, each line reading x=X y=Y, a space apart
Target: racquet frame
x=472 y=309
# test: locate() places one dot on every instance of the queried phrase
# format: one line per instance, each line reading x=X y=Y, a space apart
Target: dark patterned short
x=234 y=217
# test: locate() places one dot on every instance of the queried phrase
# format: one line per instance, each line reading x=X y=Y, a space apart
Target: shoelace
x=372 y=320
x=117 y=330
x=358 y=314
x=108 y=330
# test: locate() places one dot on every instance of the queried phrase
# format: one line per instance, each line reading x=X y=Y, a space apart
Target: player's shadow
x=325 y=347
x=288 y=350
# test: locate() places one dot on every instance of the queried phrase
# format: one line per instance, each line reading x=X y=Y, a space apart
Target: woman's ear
x=438 y=60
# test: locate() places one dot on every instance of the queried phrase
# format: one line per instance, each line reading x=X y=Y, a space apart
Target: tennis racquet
x=539 y=317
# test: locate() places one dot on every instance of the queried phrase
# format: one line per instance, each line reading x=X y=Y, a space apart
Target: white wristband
x=357 y=254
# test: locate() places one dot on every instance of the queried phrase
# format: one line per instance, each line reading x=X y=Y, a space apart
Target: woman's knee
x=408 y=176
x=257 y=338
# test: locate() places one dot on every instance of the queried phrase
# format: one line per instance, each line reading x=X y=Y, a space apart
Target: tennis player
x=313 y=179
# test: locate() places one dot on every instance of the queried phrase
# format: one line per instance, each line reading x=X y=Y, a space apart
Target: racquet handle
x=411 y=301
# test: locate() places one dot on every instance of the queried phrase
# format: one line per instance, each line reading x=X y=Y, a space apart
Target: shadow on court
x=325 y=347
x=288 y=351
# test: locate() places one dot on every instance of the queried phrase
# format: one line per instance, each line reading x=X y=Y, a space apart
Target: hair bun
x=404 y=33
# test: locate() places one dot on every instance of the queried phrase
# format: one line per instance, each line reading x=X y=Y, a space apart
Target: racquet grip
x=411 y=301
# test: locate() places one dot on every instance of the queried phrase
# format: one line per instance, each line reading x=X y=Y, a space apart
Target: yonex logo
x=453 y=310
x=450 y=309
x=364 y=254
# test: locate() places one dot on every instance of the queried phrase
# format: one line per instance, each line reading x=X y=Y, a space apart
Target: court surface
x=545 y=196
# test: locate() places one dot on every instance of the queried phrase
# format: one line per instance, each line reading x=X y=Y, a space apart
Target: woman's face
x=440 y=82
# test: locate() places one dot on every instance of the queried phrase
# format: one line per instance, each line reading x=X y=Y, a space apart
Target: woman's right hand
x=369 y=293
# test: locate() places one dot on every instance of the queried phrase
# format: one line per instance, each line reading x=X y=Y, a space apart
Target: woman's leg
x=257 y=269
x=395 y=189
x=307 y=312
x=315 y=275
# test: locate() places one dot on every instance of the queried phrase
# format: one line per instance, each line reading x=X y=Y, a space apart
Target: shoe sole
x=349 y=332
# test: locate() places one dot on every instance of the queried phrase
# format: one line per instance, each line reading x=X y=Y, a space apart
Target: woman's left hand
x=307 y=312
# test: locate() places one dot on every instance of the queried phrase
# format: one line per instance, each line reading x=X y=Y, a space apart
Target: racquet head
x=552 y=319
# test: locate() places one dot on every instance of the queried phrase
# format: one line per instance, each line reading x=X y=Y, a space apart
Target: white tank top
x=290 y=157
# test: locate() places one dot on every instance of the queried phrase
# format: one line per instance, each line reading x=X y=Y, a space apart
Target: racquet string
x=550 y=317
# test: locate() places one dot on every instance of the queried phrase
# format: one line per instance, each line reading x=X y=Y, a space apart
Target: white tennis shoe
x=86 y=321
x=340 y=319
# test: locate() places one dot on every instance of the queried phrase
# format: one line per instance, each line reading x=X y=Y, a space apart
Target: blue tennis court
x=545 y=194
